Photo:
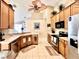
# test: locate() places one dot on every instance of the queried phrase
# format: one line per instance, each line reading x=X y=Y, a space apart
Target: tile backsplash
x=8 y=31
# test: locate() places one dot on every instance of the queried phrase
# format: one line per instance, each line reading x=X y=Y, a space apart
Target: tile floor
x=39 y=51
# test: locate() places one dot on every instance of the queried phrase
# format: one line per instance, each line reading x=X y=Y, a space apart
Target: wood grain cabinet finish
x=15 y=46
x=35 y=39
x=7 y=1
x=57 y=18
x=63 y=47
x=29 y=39
x=11 y=18
x=23 y=42
x=0 y=47
x=49 y=38
x=75 y=8
x=7 y=16
x=53 y=21
x=61 y=16
x=4 y=15
x=66 y=16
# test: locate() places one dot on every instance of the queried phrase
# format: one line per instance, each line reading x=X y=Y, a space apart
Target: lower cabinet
x=35 y=39
x=15 y=46
x=0 y=47
x=29 y=40
x=23 y=42
x=63 y=47
x=49 y=38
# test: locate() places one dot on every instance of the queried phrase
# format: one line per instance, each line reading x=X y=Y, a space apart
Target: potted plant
x=61 y=7
x=54 y=12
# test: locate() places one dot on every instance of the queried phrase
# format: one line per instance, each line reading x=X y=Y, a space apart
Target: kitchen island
x=18 y=41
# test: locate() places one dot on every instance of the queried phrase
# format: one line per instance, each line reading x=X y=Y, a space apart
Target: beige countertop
x=53 y=33
x=10 y=38
x=64 y=38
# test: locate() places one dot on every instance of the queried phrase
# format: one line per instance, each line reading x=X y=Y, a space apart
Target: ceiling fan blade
x=31 y=6
x=42 y=7
x=30 y=9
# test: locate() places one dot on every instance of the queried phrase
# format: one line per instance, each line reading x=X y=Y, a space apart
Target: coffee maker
x=1 y=36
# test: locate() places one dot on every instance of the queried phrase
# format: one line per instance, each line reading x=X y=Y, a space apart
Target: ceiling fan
x=37 y=5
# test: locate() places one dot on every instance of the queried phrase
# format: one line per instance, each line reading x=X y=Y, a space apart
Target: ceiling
x=22 y=6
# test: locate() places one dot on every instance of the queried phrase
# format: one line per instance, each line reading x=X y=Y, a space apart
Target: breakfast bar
x=19 y=41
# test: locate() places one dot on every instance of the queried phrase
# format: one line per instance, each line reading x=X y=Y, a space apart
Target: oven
x=55 y=42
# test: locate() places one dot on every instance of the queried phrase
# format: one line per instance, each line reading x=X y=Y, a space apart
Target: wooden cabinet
x=35 y=39
x=75 y=8
x=57 y=18
x=11 y=18
x=4 y=15
x=15 y=45
x=23 y=42
x=7 y=1
x=49 y=38
x=61 y=16
x=63 y=44
x=66 y=15
x=29 y=39
x=0 y=47
x=53 y=21
x=7 y=16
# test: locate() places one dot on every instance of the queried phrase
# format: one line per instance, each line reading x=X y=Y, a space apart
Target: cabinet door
x=57 y=18
x=61 y=47
x=29 y=39
x=7 y=1
x=0 y=47
x=14 y=46
x=4 y=15
x=53 y=21
x=35 y=39
x=11 y=18
x=23 y=42
x=61 y=16
x=75 y=8
x=67 y=15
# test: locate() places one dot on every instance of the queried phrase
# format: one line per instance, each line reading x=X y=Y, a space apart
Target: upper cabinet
x=66 y=16
x=61 y=16
x=11 y=18
x=4 y=15
x=7 y=1
x=53 y=21
x=75 y=8
x=57 y=18
x=7 y=16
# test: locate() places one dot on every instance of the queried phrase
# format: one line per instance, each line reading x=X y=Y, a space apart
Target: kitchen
x=43 y=30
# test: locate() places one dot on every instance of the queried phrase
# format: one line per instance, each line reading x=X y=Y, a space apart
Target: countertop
x=65 y=38
x=10 y=38
x=53 y=33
